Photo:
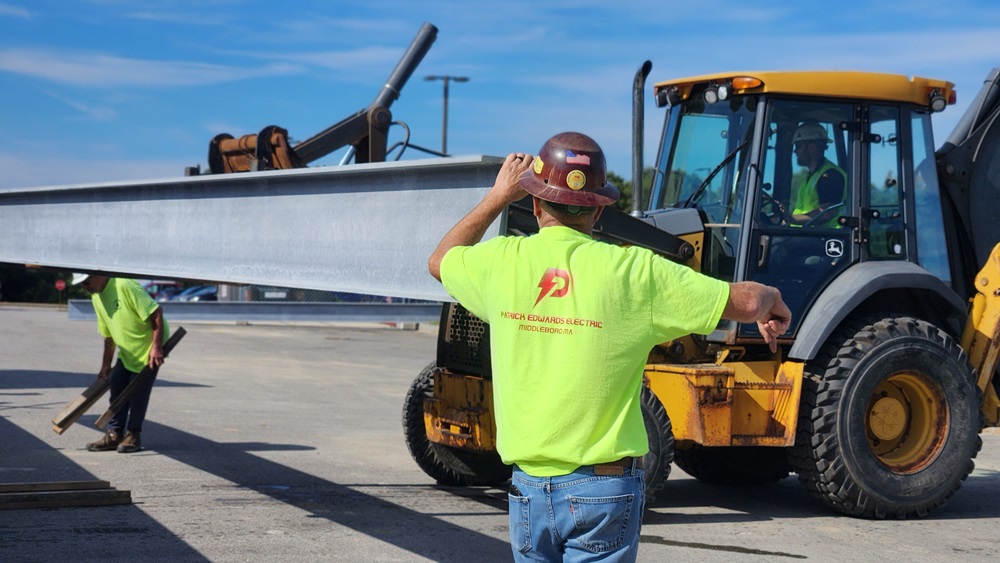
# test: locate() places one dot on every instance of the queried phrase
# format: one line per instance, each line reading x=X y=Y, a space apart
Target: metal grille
x=464 y=346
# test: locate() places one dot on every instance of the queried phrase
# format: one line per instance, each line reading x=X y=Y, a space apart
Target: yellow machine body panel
x=461 y=412
x=732 y=404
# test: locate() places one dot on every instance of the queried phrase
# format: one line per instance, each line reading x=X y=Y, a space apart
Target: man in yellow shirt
x=572 y=321
x=129 y=320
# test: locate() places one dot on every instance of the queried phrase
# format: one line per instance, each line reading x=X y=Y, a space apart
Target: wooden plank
x=53 y=486
x=75 y=409
x=64 y=499
x=138 y=381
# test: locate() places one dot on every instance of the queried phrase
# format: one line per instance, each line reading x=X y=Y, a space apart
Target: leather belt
x=617 y=467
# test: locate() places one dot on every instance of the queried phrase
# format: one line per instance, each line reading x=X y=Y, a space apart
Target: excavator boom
x=981 y=338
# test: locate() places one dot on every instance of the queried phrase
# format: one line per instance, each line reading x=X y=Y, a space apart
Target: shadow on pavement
x=91 y=533
x=979 y=497
x=105 y=532
x=38 y=379
x=346 y=506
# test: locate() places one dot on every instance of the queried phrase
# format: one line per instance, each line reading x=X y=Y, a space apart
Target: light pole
x=444 y=123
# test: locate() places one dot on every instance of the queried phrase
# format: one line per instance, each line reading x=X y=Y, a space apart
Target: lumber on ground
x=61 y=494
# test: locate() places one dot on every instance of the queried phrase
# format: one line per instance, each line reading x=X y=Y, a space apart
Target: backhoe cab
x=827 y=186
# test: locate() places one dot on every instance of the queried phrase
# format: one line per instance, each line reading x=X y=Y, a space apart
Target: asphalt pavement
x=283 y=442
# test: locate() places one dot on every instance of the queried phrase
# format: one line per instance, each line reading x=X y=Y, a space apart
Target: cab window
x=886 y=237
x=798 y=243
x=806 y=164
x=931 y=251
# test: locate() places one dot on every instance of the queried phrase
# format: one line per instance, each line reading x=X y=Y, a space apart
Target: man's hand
x=754 y=302
x=775 y=324
x=470 y=229
x=103 y=374
x=155 y=355
x=507 y=186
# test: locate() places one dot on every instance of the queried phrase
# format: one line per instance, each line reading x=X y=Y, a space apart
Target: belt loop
x=633 y=464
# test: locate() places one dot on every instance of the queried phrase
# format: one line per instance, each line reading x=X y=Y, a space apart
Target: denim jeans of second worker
x=576 y=517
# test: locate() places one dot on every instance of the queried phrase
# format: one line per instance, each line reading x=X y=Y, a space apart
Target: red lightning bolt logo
x=550 y=280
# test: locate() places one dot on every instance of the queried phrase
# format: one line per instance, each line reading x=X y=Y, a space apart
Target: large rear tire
x=656 y=462
x=446 y=465
x=890 y=420
x=738 y=466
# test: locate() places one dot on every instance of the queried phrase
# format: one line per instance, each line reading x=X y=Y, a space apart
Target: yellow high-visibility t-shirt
x=572 y=321
x=828 y=178
x=123 y=311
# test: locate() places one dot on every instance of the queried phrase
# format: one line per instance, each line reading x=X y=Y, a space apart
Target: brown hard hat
x=570 y=169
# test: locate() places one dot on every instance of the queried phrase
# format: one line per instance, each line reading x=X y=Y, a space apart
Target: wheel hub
x=888 y=418
x=907 y=420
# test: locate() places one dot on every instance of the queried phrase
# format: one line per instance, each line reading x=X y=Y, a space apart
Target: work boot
x=130 y=444
x=109 y=442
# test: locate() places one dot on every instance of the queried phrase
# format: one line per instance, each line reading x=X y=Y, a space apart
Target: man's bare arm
x=156 y=351
x=108 y=356
x=470 y=229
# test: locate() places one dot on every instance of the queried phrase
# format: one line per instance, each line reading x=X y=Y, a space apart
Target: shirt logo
x=555 y=283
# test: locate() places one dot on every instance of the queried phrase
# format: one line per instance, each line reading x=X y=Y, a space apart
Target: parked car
x=167 y=293
x=161 y=288
x=198 y=293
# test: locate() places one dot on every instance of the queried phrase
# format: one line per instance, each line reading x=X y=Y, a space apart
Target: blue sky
x=98 y=91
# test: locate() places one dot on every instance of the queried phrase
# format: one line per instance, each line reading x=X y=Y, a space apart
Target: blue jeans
x=576 y=517
x=132 y=413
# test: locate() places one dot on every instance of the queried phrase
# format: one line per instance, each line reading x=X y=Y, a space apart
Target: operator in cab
x=824 y=183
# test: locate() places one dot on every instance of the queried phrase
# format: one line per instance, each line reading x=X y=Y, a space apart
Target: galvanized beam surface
x=250 y=311
x=365 y=228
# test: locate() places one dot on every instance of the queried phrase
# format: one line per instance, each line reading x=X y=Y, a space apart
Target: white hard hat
x=810 y=131
x=78 y=278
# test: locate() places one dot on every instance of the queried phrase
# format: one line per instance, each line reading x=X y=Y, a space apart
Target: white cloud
x=98 y=113
x=36 y=169
x=350 y=60
x=178 y=17
x=900 y=50
x=107 y=71
x=14 y=11
x=327 y=29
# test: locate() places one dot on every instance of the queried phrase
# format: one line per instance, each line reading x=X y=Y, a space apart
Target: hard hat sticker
x=573 y=158
x=538 y=165
x=576 y=179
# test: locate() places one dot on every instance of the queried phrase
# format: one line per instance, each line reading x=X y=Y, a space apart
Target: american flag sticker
x=573 y=158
